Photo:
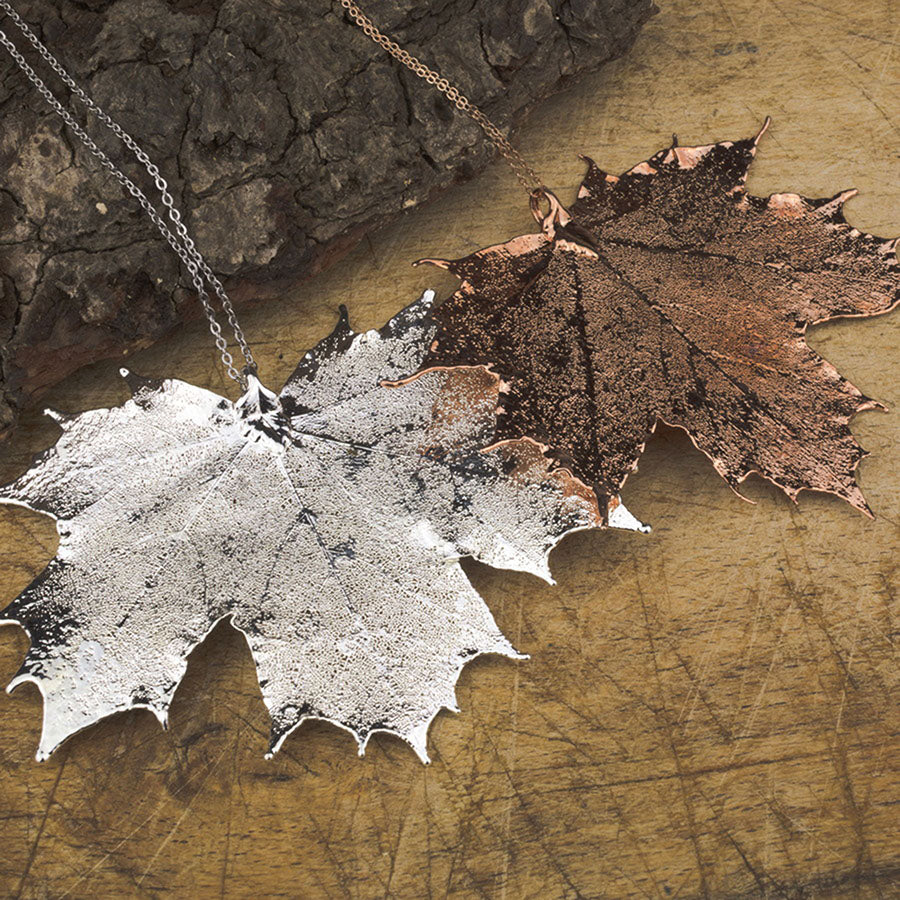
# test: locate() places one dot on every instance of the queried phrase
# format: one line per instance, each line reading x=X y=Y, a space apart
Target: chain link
x=526 y=175
x=179 y=239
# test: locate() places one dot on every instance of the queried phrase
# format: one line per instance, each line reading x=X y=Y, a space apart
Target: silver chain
x=179 y=240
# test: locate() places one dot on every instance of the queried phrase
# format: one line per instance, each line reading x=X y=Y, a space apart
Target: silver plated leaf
x=326 y=523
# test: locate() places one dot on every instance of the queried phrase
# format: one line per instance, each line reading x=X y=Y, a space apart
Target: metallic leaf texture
x=670 y=294
x=326 y=523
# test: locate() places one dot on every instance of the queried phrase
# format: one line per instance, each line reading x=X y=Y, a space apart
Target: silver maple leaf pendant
x=325 y=522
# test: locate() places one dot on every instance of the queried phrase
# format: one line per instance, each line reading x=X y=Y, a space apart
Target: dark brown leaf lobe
x=670 y=294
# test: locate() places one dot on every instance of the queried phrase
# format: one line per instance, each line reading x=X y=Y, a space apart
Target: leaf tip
x=762 y=131
x=50 y=739
x=277 y=737
x=866 y=403
x=134 y=382
x=440 y=263
x=617 y=516
x=412 y=316
x=343 y=322
x=833 y=207
x=18 y=679
x=854 y=496
x=417 y=739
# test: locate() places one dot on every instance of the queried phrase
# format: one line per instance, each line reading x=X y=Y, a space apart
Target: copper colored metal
x=670 y=294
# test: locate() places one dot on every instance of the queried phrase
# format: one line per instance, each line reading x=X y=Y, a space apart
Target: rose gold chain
x=528 y=178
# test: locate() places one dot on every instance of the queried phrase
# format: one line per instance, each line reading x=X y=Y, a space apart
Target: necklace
x=665 y=294
x=178 y=239
x=669 y=294
x=326 y=522
x=525 y=174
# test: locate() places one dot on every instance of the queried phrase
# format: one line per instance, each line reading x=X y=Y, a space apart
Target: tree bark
x=284 y=134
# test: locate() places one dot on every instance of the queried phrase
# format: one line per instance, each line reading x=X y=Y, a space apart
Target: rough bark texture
x=283 y=132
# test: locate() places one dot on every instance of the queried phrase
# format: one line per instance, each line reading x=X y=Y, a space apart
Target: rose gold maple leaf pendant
x=670 y=294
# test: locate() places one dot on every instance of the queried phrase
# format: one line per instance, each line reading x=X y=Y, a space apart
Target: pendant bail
x=557 y=215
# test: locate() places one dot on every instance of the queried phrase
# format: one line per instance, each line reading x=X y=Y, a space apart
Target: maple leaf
x=326 y=523
x=670 y=294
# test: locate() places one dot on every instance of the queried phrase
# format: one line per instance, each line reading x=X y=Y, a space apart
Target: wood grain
x=707 y=711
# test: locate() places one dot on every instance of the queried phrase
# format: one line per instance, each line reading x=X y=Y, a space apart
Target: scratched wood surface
x=707 y=710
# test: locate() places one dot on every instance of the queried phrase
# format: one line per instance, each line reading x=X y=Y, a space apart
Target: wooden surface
x=707 y=710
